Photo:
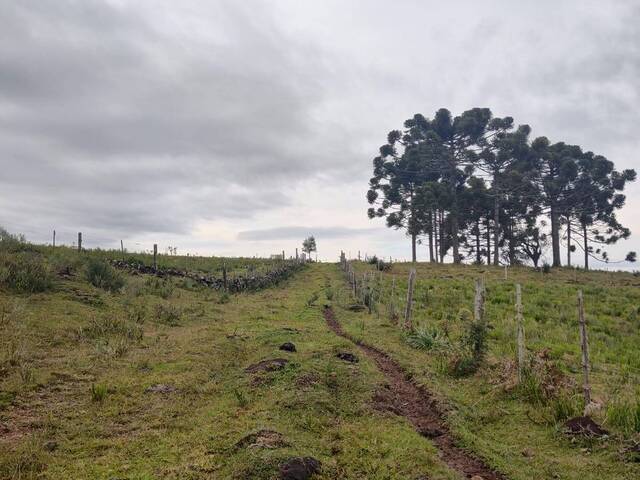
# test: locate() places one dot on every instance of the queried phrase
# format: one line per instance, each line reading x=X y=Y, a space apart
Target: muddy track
x=403 y=397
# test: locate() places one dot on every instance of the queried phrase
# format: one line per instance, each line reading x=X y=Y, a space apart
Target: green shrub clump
x=102 y=275
x=25 y=272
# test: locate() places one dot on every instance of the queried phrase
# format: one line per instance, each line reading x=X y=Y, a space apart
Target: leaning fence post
x=584 y=346
x=79 y=241
x=520 y=333
x=122 y=249
x=155 y=256
x=407 y=311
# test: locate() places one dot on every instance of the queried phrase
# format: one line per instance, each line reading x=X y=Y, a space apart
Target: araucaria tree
x=474 y=187
x=309 y=245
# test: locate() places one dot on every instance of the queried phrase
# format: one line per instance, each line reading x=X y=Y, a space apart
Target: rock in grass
x=347 y=357
x=299 y=468
x=288 y=347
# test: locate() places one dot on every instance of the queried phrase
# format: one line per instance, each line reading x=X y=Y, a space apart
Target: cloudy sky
x=237 y=128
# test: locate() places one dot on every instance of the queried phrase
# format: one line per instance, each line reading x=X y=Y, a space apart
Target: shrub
x=102 y=327
x=102 y=275
x=168 y=314
x=565 y=406
x=223 y=298
x=161 y=287
x=98 y=392
x=426 y=339
x=25 y=272
x=312 y=299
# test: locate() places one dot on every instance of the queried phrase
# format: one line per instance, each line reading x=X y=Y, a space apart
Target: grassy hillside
x=518 y=426
x=165 y=382
x=164 y=378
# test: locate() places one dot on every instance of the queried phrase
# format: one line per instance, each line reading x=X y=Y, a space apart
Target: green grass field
x=150 y=380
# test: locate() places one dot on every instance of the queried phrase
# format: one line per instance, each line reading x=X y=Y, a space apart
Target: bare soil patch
x=271 y=365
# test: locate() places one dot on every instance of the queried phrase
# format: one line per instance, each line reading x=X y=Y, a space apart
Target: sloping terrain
x=165 y=378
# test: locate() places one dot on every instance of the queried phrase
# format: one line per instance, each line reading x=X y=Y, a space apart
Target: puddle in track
x=403 y=397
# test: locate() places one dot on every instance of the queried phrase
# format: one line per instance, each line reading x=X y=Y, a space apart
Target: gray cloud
x=131 y=118
x=300 y=232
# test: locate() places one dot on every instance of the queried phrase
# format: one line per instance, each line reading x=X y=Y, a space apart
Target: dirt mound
x=263 y=439
x=288 y=347
x=584 y=426
x=347 y=357
x=267 y=365
x=299 y=468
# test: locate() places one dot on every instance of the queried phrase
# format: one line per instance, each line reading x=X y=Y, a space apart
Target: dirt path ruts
x=405 y=398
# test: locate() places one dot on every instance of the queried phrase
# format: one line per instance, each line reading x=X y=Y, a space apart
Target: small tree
x=309 y=245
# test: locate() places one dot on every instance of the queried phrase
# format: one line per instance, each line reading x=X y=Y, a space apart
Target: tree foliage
x=474 y=186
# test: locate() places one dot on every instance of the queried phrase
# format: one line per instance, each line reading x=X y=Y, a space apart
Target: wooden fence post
x=122 y=249
x=410 y=287
x=584 y=346
x=520 y=333
x=506 y=275
x=392 y=304
x=54 y=238
x=478 y=307
x=296 y=254
x=79 y=241
x=282 y=254
x=155 y=257
x=224 y=276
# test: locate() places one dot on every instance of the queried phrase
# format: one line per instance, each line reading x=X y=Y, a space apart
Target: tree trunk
x=443 y=251
x=454 y=237
x=568 y=241
x=555 y=236
x=431 y=236
x=586 y=246
x=478 y=259
x=488 y=242
x=436 y=235
x=512 y=245
x=413 y=247
x=496 y=231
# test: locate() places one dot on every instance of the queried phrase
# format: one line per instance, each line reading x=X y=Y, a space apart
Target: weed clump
x=168 y=314
x=102 y=275
x=25 y=272
x=98 y=392
x=426 y=339
x=624 y=416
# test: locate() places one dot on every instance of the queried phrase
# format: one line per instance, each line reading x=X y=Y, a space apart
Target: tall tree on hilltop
x=404 y=165
x=595 y=201
x=503 y=155
x=556 y=166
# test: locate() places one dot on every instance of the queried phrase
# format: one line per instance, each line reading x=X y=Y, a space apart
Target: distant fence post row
x=478 y=316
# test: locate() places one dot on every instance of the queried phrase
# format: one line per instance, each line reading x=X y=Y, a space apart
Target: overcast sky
x=237 y=128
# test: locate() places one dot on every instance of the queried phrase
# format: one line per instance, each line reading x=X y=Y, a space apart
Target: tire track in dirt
x=403 y=397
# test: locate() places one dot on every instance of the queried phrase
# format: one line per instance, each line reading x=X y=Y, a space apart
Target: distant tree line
x=478 y=188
